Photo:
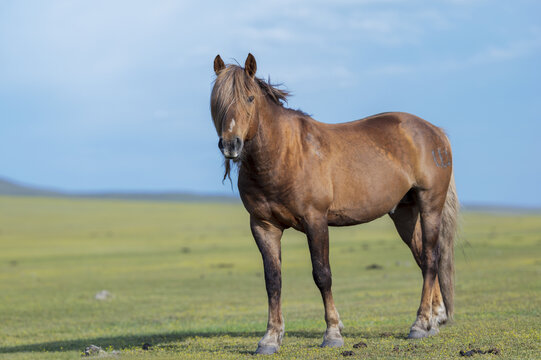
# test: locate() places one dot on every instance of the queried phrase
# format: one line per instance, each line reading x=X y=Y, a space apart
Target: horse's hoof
x=267 y=349
x=433 y=331
x=417 y=334
x=333 y=343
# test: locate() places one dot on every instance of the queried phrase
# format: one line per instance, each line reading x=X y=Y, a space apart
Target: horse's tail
x=448 y=230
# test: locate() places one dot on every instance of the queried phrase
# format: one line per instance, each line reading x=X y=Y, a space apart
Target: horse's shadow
x=166 y=340
x=128 y=341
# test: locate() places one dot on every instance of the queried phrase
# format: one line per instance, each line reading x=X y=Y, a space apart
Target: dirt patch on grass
x=493 y=351
x=374 y=267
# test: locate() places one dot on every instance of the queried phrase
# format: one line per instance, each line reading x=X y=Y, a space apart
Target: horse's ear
x=218 y=64
x=250 y=66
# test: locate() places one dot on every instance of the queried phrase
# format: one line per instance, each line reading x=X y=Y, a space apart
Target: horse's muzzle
x=231 y=148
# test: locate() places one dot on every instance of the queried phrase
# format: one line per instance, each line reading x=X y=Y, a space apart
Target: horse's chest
x=269 y=204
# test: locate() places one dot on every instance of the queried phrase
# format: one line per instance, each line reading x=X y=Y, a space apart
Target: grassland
x=187 y=279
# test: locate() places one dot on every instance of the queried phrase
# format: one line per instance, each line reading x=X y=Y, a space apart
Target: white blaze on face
x=231 y=125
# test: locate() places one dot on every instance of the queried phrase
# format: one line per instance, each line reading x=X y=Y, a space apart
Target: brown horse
x=297 y=172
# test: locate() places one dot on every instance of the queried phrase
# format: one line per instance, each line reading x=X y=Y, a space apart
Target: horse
x=296 y=172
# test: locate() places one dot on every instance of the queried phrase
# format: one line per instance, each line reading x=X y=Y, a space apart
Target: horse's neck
x=274 y=135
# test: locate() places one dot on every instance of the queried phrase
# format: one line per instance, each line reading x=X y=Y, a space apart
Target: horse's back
x=391 y=124
x=402 y=138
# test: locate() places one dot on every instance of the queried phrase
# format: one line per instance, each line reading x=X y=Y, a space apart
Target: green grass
x=188 y=279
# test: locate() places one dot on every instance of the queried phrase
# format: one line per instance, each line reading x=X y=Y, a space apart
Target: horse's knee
x=322 y=276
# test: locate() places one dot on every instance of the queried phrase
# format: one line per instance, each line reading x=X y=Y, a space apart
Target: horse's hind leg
x=430 y=204
x=268 y=238
x=317 y=231
x=408 y=224
x=439 y=313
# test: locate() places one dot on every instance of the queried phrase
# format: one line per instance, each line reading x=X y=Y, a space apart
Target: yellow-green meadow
x=186 y=281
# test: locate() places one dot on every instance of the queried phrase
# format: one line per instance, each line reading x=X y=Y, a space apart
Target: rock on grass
x=103 y=295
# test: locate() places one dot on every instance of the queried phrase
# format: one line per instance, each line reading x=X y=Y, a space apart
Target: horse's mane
x=278 y=96
x=232 y=85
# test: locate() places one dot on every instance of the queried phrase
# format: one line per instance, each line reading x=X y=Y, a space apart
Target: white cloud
x=490 y=54
x=509 y=51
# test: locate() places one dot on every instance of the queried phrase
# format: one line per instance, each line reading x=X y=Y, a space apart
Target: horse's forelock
x=233 y=85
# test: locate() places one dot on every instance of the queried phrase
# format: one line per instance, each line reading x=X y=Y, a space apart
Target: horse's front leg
x=267 y=237
x=317 y=231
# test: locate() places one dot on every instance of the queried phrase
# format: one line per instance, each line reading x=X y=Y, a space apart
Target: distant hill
x=162 y=196
x=12 y=188
x=8 y=187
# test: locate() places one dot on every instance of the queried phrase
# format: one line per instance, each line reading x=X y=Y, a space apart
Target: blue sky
x=101 y=95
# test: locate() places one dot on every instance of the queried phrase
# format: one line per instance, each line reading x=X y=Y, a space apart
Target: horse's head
x=233 y=105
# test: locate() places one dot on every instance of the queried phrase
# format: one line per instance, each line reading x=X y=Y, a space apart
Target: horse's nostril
x=238 y=142
x=231 y=148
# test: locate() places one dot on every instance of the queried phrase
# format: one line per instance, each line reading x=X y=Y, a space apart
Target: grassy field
x=187 y=279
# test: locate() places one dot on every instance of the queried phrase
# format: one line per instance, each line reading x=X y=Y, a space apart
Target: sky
x=114 y=95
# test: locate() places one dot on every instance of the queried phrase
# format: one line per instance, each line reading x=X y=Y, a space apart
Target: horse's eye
x=251 y=98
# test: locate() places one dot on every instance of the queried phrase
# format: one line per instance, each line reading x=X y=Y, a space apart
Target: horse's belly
x=346 y=217
x=366 y=201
